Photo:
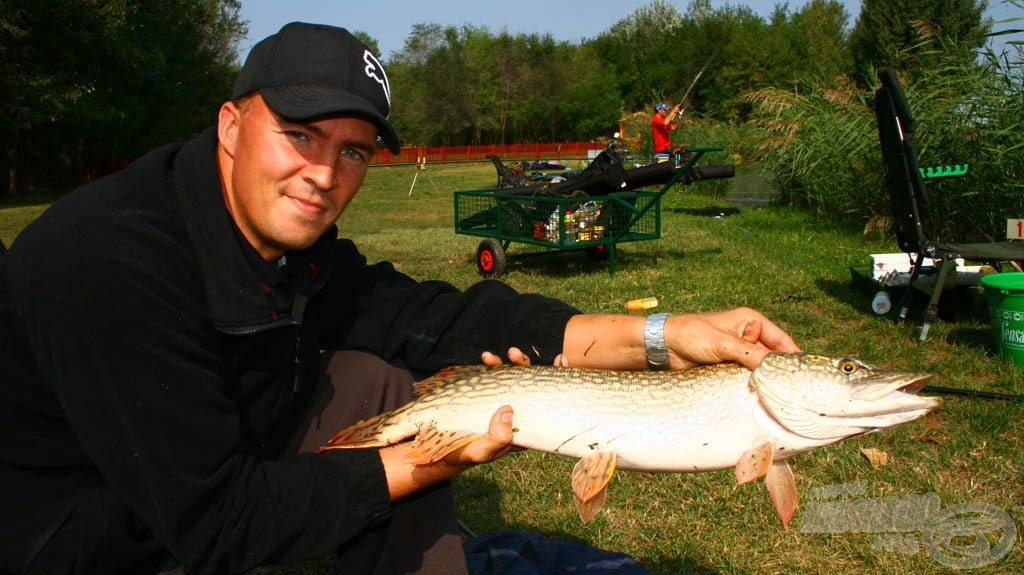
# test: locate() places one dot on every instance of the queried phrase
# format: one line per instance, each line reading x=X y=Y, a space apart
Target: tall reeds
x=820 y=140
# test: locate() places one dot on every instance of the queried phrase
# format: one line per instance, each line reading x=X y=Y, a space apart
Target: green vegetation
x=89 y=85
x=822 y=143
x=781 y=260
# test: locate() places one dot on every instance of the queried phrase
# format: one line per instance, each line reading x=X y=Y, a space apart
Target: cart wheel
x=490 y=258
x=598 y=252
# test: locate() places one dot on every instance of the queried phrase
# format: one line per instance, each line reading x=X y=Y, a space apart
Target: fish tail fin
x=368 y=432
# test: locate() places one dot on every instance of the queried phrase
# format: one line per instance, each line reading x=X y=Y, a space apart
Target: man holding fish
x=178 y=339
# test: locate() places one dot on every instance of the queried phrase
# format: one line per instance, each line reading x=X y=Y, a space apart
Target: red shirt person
x=661 y=125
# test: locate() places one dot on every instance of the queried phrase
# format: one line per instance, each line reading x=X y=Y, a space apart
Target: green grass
x=796 y=270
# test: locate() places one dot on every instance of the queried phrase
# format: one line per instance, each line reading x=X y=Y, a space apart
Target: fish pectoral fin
x=432 y=445
x=363 y=433
x=782 y=490
x=590 y=478
x=755 y=462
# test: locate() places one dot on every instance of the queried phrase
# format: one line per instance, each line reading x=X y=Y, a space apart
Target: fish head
x=830 y=398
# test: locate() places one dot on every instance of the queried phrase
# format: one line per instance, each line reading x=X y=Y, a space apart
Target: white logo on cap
x=375 y=71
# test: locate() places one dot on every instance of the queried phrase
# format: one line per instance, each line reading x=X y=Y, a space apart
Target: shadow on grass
x=958 y=307
x=478 y=500
x=568 y=263
x=972 y=337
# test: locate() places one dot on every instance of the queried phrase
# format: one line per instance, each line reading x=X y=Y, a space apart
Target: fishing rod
x=973 y=393
x=697 y=77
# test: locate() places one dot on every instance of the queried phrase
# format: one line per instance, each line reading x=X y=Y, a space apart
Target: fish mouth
x=917 y=385
x=898 y=395
x=906 y=384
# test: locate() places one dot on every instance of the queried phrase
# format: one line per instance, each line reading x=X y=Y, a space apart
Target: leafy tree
x=40 y=77
x=370 y=42
x=887 y=32
x=734 y=44
x=88 y=84
x=434 y=86
x=808 y=43
x=508 y=86
x=638 y=50
x=593 y=102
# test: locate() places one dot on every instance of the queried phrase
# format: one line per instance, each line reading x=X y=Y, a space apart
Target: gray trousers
x=422 y=535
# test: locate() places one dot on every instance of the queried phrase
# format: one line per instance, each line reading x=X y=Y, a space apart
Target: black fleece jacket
x=151 y=367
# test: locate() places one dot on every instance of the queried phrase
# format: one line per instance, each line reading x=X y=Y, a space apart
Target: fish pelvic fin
x=432 y=445
x=590 y=477
x=589 y=509
x=755 y=462
x=782 y=490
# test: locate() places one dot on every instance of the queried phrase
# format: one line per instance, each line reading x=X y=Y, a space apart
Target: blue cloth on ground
x=510 y=552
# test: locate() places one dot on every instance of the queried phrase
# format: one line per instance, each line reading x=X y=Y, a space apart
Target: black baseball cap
x=308 y=71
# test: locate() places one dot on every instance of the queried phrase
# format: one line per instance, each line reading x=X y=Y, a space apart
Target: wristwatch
x=654 y=341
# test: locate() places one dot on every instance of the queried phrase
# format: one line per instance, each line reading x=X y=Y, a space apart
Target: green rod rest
x=943 y=171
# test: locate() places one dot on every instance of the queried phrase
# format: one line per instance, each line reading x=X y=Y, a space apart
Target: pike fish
x=706 y=418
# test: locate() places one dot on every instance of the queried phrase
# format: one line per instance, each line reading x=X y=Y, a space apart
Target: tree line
x=88 y=85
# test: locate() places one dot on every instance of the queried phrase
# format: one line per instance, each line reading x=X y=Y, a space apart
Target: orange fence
x=416 y=154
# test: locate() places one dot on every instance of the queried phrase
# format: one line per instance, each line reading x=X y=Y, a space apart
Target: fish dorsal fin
x=782 y=490
x=755 y=462
x=426 y=386
x=590 y=478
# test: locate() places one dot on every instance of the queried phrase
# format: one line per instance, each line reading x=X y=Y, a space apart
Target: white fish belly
x=687 y=434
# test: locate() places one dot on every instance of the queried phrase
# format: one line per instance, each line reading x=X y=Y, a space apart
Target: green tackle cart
x=567 y=217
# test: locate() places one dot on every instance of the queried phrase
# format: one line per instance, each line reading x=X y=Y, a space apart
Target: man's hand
x=493 y=445
x=405 y=478
x=742 y=335
x=615 y=341
x=517 y=357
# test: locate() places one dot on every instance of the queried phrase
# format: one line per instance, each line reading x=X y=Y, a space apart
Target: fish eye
x=847 y=365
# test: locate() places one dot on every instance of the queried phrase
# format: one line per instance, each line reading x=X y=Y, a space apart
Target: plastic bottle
x=882 y=303
x=553 y=232
x=642 y=303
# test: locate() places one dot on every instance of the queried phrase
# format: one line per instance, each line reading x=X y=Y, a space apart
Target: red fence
x=416 y=154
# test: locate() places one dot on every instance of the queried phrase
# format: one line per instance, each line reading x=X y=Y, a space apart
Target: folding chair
x=507 y=177
x=909 y=200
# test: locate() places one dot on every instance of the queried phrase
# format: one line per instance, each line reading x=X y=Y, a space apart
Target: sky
x=391 y=21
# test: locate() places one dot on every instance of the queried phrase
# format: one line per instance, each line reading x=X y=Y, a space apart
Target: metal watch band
x=654 y=341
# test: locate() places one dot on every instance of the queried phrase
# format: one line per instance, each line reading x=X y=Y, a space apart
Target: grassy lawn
x=796 y=270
